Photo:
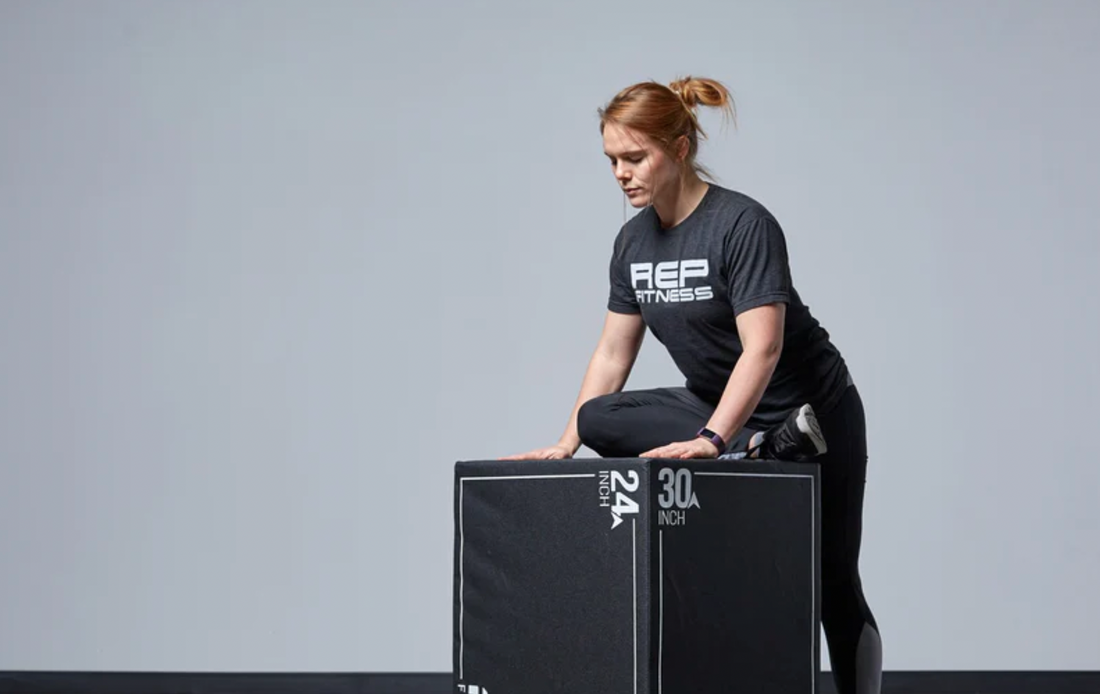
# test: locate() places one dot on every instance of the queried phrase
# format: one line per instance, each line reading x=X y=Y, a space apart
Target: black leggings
x=624 y=425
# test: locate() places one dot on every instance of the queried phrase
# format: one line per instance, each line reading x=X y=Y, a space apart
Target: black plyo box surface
x=636 y=576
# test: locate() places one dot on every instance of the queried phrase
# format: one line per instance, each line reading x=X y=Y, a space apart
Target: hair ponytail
x=700 y=90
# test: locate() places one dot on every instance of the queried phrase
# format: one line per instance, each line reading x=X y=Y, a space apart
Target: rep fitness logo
x=667 y=282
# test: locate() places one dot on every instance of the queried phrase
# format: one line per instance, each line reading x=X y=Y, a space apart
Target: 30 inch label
x=676 y=495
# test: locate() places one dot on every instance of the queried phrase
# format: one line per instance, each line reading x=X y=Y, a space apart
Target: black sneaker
x=796 y=438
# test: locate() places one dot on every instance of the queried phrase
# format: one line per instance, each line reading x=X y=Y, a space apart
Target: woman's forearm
x=744 y=389
x=603 y=376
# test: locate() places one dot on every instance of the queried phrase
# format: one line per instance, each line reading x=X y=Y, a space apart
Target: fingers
x=664 y=452
x=679 y=450
x=537 y=454
x=530 y=455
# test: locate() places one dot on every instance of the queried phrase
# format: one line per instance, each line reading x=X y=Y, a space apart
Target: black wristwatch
x=712 y=437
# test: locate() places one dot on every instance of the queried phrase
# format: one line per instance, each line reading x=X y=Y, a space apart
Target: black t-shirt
x=690 y=282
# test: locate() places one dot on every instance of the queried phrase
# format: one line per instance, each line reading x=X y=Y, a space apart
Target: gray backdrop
x=267 y=269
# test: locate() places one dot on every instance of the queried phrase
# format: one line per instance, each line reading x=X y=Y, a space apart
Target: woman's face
x=641 y=167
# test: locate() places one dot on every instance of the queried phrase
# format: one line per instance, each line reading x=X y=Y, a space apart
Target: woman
x=706 y=270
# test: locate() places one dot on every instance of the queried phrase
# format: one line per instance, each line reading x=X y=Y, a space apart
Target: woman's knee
x=593 y=418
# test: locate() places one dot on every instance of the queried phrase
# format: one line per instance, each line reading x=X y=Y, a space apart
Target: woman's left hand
x=695 y=448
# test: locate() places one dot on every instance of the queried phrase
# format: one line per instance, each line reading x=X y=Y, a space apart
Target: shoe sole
x=807 y=424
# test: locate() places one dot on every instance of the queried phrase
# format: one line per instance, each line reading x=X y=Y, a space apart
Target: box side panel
x=547 y=585
x=737 y=584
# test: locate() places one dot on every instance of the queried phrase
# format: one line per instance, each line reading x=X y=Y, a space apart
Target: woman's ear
x=682 y=147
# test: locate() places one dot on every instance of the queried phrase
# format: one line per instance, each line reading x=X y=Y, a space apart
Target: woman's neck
x=681 y=201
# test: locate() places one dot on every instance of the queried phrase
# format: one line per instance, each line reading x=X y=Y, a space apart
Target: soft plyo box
x=636 y=576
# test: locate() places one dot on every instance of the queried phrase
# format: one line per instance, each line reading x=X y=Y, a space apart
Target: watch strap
x=712 y=437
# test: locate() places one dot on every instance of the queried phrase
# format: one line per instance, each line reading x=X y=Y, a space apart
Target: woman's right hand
x=555 y=452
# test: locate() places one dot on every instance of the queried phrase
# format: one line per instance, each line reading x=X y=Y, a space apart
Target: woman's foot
x=796 y=438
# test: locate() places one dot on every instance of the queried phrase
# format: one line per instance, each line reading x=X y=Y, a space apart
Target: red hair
x=667 y=113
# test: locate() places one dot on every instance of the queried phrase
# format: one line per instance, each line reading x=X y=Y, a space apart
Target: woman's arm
x=761 y=331
x=608 y=369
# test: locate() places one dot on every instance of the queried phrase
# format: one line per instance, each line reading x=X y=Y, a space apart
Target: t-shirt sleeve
x=757 y=266
x=621 y=297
